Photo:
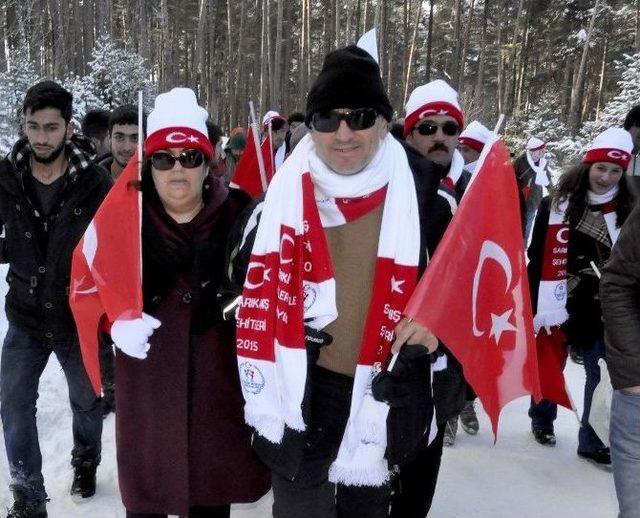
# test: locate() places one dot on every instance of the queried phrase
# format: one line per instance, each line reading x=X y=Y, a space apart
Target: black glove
x=315 y=340
x=396 y=386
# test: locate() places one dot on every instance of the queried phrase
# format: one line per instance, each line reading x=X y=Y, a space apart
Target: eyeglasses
x=449 y=128
x=163 y=161
x=357 y=120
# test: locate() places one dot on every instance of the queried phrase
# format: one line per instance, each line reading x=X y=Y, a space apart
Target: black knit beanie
x=350 y=78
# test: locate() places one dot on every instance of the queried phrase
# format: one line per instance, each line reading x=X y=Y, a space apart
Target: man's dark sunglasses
x=188 y=159
x=357 y=120
x=449 y=128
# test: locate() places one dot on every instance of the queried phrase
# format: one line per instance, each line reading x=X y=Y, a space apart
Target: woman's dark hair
x=573 y=186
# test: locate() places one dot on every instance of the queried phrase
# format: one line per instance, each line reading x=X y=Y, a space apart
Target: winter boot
x=601 y=456
x=544 y=437
x=84 y=480
x=26 y=509
x=469 y=419
x=450 y=431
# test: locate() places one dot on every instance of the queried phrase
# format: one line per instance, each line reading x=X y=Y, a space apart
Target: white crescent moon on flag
x=489 y=250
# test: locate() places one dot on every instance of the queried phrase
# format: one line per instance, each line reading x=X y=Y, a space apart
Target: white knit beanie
x=177 y=121
x=434 y=98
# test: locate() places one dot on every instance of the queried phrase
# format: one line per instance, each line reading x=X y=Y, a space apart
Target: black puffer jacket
x=38 y=248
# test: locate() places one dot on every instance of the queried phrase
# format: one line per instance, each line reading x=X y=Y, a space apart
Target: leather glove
x=132 y=336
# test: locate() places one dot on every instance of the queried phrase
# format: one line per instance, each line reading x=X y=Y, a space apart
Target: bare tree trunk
x=302 y=51
x=481 y=59
x=601 y=83
x=465 y=46
x=3 y=30
x=429 y=42
x=263 y=60
x=454 y=70
x=637 y=32
x=411 y=51
x=276 y=96
x=500 y=62
x=578 y=91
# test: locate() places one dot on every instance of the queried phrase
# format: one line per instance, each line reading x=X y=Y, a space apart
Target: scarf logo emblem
x=310 y=295
x=560 y=292
x=251 y=377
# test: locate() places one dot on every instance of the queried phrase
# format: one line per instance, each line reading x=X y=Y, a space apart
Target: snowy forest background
x=559 y=69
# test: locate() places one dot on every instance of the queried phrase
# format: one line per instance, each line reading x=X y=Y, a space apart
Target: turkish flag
x=552 y=356
x=106 y=267
x=474 y=295
x=247 y=173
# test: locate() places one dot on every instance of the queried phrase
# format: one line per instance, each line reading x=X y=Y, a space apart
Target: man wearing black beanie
x=352 y=206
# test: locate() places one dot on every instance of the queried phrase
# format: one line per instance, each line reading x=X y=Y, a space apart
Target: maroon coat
x=180 y=433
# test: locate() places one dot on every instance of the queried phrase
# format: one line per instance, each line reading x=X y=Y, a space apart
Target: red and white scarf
x=552 y=291
x=290 y=282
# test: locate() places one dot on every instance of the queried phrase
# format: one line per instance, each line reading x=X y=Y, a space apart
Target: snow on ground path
x=516 y=478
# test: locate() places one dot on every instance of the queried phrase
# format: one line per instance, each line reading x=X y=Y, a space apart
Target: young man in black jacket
x=49 y=192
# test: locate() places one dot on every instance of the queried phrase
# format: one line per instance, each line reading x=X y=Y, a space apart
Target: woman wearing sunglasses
x=182 y=445
x=573 y=234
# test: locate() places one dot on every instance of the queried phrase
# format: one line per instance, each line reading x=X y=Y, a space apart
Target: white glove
x=132 y=336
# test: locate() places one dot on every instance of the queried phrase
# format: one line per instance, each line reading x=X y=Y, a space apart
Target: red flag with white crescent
x=474 y=295
x=247 y=173
x=106 y=268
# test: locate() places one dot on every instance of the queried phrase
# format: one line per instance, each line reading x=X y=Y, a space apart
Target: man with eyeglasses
x=433 y=122
x=341 y=256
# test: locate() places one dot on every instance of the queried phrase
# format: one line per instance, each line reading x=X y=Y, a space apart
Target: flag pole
x=140 y=138
x=256 y=141
x=499 y=123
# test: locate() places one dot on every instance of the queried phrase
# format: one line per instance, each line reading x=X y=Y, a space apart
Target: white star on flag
x=193 y=138
x=395 y=285
x=266 y=274
x=500 y=323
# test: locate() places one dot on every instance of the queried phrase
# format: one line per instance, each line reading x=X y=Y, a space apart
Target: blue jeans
x=24 y=357
x=544 y=413
x=625 y=451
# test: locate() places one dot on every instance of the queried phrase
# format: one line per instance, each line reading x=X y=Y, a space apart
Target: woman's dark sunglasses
x=357 y=120
x=449 y=128
x=163 y=161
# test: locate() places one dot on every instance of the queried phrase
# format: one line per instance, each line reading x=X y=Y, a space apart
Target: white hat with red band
x=475 y=135
x=535 y=144
x=269 y=117
x=177 y=121
x=613 y=145
x=434 y=98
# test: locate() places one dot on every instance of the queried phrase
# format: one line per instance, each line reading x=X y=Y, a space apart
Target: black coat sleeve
x=240 y=244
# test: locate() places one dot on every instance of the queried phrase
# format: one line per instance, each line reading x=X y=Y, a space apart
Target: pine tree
x=616 y=109
x=114 y=79
x=14 y=83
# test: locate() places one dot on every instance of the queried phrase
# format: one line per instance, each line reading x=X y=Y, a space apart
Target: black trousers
x=415 y=485
x=222 y=511
x=310 y=494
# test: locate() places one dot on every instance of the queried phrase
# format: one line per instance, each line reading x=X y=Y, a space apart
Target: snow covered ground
x=516 y=478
